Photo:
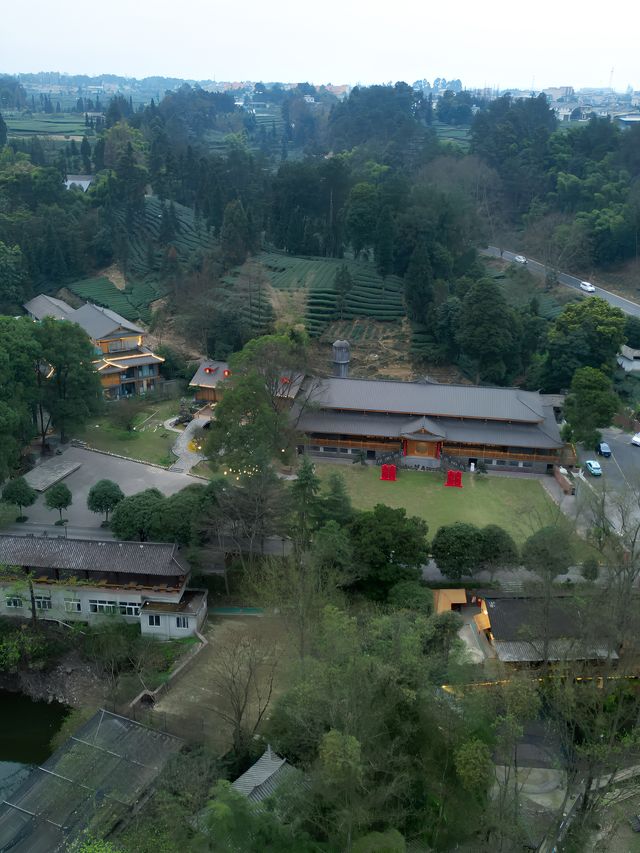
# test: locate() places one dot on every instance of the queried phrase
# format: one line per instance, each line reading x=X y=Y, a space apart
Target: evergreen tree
x=58 y=497
x=3 y=132
x=343 y=285
x=304 y=491
x=418 y=285
x=85 y=153
x=104 y=497
x=234 y=237
x=20 y=493
x=590 y=405
x=73 y=392
x=383 y=248
x=487 y=331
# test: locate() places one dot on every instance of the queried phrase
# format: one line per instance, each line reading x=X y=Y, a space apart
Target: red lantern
x=226 y=373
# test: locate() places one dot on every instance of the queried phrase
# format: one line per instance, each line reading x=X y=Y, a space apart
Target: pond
x=26 y=729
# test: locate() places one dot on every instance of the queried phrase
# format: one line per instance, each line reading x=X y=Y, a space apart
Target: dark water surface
x=26 y=729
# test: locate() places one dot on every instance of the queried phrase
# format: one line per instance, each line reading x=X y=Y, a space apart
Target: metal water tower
x=341 y=359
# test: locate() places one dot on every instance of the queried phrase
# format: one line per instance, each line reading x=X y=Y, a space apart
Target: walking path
x=186 y=458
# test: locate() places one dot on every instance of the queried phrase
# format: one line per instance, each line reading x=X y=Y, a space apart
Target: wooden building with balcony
x=424 y=423
x=126 y=366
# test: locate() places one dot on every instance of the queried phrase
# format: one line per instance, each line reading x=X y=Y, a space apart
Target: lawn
x=149 y=441
x=521 y=506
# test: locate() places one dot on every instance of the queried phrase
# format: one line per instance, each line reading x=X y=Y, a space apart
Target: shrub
x=457 y=549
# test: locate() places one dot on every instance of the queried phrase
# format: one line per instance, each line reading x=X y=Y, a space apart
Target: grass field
x=521 y=506
x=149 y=442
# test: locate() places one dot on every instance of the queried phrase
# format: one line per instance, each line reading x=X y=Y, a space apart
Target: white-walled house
x=83 y=580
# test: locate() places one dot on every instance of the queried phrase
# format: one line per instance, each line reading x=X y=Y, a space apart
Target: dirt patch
x=379 y=351
x=115 y=276
x=189 y=705
x=70 y=298
x=623 y=280
x=289 y=306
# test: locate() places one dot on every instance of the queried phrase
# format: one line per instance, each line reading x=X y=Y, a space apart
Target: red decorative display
x=454 y=478
x=388 y=472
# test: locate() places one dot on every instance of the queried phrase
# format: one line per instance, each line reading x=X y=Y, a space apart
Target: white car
x=587 y=287
x=636 y=439
x=520 y=259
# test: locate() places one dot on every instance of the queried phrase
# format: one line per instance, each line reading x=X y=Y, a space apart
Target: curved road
x=626 y=305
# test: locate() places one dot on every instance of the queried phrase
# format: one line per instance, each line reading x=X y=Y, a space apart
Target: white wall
x=168 y=625
x=58 y=593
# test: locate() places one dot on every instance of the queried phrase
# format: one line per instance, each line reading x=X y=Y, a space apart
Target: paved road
x=626 y=305
x=623 y=466
x=33 y=528
x=132 y=477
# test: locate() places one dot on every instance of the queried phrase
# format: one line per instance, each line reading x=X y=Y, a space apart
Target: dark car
x=603 y=449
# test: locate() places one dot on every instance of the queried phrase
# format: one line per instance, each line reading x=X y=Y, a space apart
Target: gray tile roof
x=42 y=306
x=264 y=777
x=423 y=424
x=139 y=558
x=563 y=649
x=543 y=436
x=518 y=629
x=100 y=322
x=418 y=398
x=209 y=374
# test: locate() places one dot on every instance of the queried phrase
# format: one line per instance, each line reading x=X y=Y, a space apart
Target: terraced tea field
x=451 y=133
x=145 y=255
x=132 y=302
x=46 y=124
x=369 y=297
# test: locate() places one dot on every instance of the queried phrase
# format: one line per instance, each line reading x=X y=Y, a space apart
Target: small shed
x=446 y=599
x=208 y=380
x=264 y=777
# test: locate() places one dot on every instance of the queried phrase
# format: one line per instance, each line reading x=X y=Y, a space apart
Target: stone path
x=186 y=458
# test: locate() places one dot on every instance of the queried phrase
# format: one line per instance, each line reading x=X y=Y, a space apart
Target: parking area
x=623 y=467
x=91 y=466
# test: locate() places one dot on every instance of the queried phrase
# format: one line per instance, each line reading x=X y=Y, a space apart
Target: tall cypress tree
x=383 y=248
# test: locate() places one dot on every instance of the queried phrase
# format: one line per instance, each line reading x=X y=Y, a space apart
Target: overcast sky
x=483 y=42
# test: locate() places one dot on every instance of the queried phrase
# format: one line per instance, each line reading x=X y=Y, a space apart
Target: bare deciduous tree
x=243 y=677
